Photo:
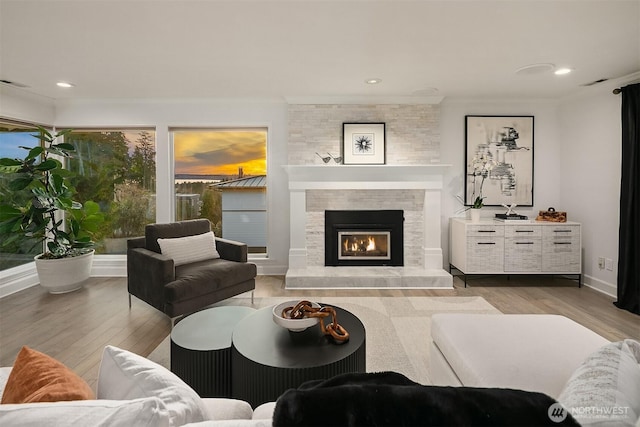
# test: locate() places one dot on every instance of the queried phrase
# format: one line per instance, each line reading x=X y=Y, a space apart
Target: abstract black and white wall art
x=499 y=160
x=363 y=143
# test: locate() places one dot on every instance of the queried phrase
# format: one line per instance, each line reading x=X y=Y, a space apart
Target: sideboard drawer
x=485 y=230
x=485 y=254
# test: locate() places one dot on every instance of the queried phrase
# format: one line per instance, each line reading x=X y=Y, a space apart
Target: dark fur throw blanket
x=391 y=399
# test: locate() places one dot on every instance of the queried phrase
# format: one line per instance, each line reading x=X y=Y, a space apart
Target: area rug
x=398 y=328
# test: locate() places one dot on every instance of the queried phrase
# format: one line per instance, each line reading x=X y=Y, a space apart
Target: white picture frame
x=363 y=143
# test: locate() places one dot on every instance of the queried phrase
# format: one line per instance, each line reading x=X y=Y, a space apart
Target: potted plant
x=48 y=213
x=481 y=167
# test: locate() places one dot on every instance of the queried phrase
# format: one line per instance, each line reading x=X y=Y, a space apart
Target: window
x=220 y=174
x=15 y=252
x=116 y=168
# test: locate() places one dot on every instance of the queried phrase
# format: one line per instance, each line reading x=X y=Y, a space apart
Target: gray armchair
x=183 y=289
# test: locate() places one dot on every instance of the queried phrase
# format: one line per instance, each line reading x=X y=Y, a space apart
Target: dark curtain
x=629 y=240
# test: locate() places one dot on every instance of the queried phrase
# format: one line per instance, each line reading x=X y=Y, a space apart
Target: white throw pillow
x=184 y=250
x=124 y=375
x=149 y=412
x=605 y=389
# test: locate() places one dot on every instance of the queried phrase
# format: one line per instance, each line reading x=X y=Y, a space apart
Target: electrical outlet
x=601 y=263
x=608 y=263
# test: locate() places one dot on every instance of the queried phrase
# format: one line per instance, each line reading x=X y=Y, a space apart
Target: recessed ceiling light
x=535 y=69
x=562 y=71
x=372 y=81
x=65 y=84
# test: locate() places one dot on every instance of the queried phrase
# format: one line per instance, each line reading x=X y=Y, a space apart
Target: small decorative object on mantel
x=510 y=214
x=309 y=313
x=338 y=159
x=325 y=159
x=363 y=143
x=552 y=215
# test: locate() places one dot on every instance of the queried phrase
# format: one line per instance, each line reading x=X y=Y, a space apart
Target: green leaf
x=8 y=213
x=65 y=146
x=5 y=161
x=47 y=165
x=34 y=152
x=10 y=169
x=20 y=183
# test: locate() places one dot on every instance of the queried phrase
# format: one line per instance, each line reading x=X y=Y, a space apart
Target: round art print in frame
x=499 y=160
x=363 y=143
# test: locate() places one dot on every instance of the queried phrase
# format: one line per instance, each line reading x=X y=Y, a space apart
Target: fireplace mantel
x=358 y=177
x=426 y=178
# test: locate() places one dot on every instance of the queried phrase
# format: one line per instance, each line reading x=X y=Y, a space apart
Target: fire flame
x=372 y=244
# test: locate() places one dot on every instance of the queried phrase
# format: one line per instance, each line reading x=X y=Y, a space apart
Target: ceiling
x=315 y=48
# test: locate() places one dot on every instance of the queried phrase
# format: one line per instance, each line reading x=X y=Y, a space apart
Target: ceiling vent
x=595 y=82
x=10 y=83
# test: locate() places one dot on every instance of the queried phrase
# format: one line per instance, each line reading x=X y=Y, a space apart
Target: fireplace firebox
x=364 y=238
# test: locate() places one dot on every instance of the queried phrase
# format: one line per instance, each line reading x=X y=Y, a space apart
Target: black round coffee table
x=201 y=349
x=267 y=359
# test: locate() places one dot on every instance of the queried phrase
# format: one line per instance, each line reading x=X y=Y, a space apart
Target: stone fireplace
x=413 y=189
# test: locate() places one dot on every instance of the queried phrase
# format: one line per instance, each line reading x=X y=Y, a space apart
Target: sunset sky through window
x=220 y=152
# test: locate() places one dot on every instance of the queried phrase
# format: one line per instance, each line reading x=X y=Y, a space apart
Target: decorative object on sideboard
x=325 y=159
x=507 y=141
x=474 y=214
x=480 y=167
x=363 y=143
x=552 y=215
x=510 y=214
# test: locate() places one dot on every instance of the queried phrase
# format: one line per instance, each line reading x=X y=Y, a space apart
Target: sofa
x=597 y=381
x=131 y=391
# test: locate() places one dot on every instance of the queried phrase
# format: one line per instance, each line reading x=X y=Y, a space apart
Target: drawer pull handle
x=486 y=231
x=524 y=243
x=524 y=231
x=561 y=243
x=562 y=231
x=486 y=243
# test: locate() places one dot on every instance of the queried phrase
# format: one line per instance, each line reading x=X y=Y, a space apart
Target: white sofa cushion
x=536 y=352
x=184 y=250
x=605 y=389
x=124 y=375
x=226 y=409
x=149 y=412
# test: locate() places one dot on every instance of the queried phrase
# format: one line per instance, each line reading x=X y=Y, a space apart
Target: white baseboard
x=109 y=266
x=600 y=286
x=18 y=278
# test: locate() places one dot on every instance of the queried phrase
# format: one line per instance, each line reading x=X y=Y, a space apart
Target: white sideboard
x=517 y=247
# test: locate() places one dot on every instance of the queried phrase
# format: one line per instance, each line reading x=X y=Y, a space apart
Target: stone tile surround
x=412 y=138
x=412 y=131
x=410 y=201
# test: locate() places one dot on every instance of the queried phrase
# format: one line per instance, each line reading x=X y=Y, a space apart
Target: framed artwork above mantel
x=499 y=160
x=363 y=144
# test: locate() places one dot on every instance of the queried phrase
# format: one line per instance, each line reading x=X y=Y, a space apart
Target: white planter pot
x=63 y=275
x=475 y=215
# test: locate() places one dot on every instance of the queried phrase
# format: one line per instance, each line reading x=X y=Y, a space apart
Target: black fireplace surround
x=363 y=221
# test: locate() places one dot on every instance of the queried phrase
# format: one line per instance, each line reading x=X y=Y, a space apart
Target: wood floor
x=75 y=327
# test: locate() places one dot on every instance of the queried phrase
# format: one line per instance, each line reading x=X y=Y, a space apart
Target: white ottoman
x=534 y=352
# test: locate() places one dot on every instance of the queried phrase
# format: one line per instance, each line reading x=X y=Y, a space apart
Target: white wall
x=165 y=114
x=18 y=104
x=590 y=135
